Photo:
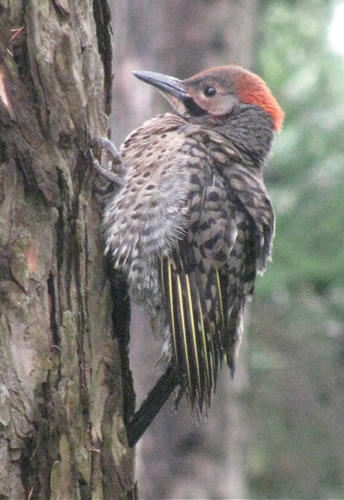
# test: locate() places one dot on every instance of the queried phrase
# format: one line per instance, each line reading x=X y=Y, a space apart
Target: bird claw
x=114 y=169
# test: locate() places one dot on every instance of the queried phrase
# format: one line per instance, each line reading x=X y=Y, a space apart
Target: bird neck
x=249 y=128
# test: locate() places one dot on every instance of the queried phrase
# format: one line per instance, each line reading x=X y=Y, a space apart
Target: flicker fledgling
x=191 y=223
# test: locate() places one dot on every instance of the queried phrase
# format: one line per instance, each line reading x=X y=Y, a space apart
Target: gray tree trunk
x=62 y=338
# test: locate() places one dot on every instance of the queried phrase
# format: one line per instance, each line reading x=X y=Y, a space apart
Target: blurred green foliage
x=297 y=337
x=306 y=178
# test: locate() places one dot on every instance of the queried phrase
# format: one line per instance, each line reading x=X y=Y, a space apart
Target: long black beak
x=167 y=84
x=173 y=90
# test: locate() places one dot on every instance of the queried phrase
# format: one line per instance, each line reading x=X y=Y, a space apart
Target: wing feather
x=211 y=270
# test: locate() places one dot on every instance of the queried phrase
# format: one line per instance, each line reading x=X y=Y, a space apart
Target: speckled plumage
x=192 y=222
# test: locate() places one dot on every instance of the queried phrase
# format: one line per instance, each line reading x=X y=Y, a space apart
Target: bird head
x=217 y=93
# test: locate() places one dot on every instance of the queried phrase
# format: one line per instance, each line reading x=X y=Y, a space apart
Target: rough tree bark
x=62 y=423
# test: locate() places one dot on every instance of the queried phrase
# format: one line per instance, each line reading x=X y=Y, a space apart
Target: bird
x=191 y=223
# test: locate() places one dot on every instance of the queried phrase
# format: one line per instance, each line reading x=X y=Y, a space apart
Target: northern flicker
x=191 y=222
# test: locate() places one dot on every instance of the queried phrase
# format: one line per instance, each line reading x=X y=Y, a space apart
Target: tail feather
x=185 y=341
x=234 y=332
x=196 y=329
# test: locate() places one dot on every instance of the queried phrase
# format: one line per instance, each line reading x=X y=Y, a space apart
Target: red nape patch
x=253 y=90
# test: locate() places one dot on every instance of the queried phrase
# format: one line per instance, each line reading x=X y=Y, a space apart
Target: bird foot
x=113 y=172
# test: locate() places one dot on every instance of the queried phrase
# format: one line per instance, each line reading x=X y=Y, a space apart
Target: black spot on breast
x=214 y=196
x=204 y=226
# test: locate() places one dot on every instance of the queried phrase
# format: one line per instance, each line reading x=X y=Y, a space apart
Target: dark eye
x=209 y=91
